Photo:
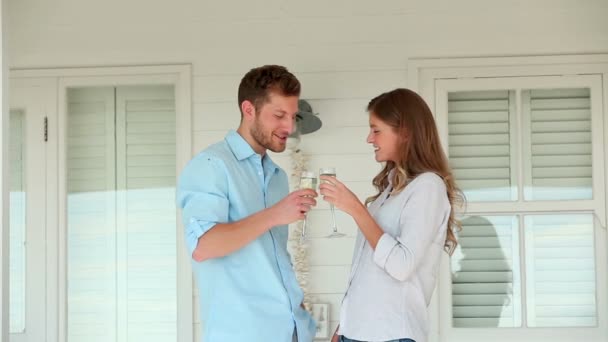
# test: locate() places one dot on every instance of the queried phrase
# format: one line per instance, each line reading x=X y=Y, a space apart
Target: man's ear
x=248 y=110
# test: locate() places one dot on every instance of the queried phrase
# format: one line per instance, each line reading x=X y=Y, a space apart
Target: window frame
x=520 y=165
x=424 y=75
x=23 y=93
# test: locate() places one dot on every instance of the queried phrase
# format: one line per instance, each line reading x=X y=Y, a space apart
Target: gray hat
x=306 y=120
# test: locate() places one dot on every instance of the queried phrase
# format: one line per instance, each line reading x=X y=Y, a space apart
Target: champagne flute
x=330 y=171
x=308 y=180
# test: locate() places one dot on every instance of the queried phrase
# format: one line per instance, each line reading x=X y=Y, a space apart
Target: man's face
x=274 y=121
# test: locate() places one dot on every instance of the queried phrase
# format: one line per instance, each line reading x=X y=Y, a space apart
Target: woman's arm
x=424 y=212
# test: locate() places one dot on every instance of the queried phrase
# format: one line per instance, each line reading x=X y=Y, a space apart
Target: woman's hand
x=336 y=193
x=336 y=338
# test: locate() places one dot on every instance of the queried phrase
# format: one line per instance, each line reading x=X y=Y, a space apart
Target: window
x=526 y=147
x=122 y=254
x=17 y=222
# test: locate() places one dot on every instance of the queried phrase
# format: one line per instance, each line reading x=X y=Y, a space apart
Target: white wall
x=344 y=52
x=4 y=175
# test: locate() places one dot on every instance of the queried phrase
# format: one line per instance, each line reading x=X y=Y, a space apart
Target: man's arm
x=225 y=238
x=205 y=212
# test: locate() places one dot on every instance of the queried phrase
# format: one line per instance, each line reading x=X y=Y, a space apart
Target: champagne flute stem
x=333 y=218
x=304 y=228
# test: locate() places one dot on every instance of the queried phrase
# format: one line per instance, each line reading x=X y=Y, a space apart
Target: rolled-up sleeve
x=202 y=194
x=420 y=219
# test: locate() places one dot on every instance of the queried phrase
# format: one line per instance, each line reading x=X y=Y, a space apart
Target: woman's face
x=384 y=139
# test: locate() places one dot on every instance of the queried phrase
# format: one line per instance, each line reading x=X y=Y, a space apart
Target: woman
x=402 y=229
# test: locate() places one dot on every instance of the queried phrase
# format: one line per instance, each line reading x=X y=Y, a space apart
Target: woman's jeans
x=346 y=339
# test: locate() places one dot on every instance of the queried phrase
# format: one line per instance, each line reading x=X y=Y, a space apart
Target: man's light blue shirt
x=251 y=294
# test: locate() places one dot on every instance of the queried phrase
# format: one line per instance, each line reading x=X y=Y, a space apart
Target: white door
x=29 y=103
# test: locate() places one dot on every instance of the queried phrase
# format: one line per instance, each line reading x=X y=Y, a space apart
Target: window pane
x=17 y=222
x=560 y=270
x=122 y=258
x=560 y=144
x=92 y=235
x=146 y=164
x=479 y=126
x=485 y=273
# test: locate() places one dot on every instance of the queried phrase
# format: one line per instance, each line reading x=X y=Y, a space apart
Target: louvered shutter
x=480 y=144
x=91 y=184
x=147 y=213
x=560 y=144
x=485 y=273
x=121 y=214
x=553 y=132
x=560 y=270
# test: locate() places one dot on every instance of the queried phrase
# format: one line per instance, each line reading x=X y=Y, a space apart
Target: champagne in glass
x=330 y=171
x=308 y=180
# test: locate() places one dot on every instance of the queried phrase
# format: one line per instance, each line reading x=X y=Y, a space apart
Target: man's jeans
x=346 y=339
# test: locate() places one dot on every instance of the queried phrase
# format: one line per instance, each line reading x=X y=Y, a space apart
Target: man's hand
x=294 y=206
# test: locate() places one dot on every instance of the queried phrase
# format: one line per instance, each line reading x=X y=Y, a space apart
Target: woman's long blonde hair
x=420 y=150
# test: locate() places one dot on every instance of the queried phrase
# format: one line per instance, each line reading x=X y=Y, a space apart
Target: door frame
x=180 y=76
x=41 y=105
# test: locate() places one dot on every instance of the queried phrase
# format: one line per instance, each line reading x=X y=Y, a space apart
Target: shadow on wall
x=482 y=277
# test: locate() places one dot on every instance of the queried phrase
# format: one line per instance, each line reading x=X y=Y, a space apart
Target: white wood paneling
x=225 y=115
x=4 y=180
x=341 y=36
x=315 y=85
x=344 y=52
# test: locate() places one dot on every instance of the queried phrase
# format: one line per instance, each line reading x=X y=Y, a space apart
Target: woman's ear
x=405 y=136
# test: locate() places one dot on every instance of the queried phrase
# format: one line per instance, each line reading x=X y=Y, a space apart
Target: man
x=236 y=208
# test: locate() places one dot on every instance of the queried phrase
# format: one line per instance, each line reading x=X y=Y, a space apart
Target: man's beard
x=264 y=141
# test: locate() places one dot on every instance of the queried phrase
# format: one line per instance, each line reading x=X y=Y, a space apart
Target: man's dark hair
x=258 y=83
